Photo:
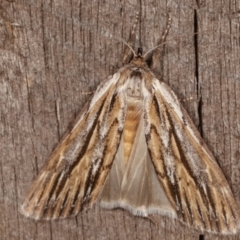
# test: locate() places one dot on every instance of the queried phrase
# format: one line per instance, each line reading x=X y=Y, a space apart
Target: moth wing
x=191 y=178
x=135 y=186
x=75 y=172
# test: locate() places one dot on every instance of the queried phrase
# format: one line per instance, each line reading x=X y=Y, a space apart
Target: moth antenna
x=152 y=49
x=127 y=53
x=161 y=41
x=165 y=33
x=134 y=54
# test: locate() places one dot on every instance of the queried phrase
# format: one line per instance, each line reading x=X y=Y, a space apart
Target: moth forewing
x=188 y=172
x=75 y=172
x=134 y=146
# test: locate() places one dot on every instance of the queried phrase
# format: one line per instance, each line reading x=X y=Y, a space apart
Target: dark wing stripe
x=88 y=138
x=59 y=184
x=206 y=198
x=155 y=131
x=91 y=176
x=95 y=179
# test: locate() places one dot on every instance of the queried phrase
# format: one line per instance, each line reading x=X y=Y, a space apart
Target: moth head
x=139 y=59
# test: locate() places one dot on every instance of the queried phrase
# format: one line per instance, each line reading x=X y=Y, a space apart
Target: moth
x=134 y=146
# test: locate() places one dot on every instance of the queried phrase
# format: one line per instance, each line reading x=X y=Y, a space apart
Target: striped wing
x=82 y=160
x=191 y=178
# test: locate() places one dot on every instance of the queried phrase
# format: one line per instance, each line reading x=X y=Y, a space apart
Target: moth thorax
x=133 y=115
x=134 y=88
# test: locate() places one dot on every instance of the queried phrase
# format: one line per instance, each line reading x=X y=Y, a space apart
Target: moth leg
x=128 y=54
x=155 y=56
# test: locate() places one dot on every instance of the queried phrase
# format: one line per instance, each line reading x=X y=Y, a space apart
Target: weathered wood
x=52 y=52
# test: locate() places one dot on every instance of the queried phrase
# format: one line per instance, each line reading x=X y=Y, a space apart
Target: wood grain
x=53 y=52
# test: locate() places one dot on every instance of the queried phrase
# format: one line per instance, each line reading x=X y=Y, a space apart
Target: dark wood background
x=53 y=52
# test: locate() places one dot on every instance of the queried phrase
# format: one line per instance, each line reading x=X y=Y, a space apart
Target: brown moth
x=134 y=146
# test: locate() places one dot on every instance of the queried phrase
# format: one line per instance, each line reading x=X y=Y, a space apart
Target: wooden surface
x=53 y=52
